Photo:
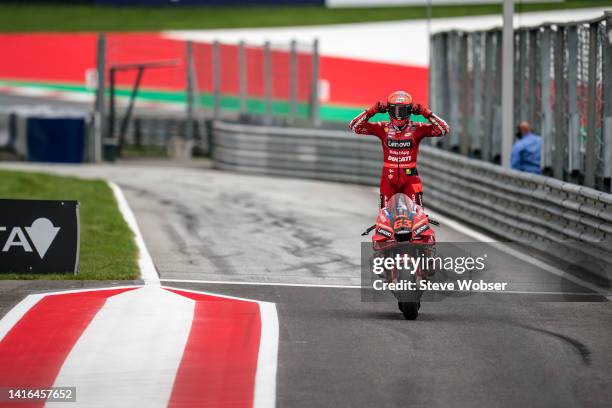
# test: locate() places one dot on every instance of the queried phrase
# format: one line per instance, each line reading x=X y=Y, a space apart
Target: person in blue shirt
x=526 y=150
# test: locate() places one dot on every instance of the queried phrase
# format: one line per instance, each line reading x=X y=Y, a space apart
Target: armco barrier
x=536 y=210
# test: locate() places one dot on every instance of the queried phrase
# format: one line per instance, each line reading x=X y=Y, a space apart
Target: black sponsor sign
x=39 y=236
x=399 y=144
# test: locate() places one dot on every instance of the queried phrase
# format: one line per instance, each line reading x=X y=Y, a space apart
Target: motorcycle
x=403 y=228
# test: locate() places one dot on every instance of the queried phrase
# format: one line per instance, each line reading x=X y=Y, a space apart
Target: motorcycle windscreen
x=401 y=210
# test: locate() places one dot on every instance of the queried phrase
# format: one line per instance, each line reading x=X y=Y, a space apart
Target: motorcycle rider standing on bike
x=400 y=139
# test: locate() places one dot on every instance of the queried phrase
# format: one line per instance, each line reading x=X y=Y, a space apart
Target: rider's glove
x=418 y=109
x=378 y=107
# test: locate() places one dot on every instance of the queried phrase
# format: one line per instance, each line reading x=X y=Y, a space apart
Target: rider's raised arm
x=437 y=126
x=361 y=124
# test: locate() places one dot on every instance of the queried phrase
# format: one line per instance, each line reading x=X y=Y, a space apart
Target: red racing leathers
x=400 y=150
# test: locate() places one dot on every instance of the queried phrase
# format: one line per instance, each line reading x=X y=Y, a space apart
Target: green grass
x=16 y=17
x=108 y=250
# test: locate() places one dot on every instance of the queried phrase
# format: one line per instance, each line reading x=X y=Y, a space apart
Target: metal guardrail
x=538 y=211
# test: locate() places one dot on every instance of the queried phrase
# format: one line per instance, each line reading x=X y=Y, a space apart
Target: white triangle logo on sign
x=42 y=233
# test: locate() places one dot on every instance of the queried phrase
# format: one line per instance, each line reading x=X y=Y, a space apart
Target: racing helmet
x=399 y=106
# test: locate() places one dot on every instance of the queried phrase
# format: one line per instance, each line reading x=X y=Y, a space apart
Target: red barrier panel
x=65 y=58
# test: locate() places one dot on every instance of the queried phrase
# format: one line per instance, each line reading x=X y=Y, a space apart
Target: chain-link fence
x=562 y=87
x=153 y=92
x=271 y=81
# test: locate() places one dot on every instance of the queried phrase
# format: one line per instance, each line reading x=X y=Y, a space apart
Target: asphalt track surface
x=335 y=350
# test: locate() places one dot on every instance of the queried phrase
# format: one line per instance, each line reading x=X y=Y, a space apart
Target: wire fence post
x=464 y=138
x=520 y=65
x=190 y=89
x=507 y=83
x=314 y=86
x=267 y=73
x=216 y=71
x=293 y=80
x=591 y=140
x=100 y=109
x=454 y=78
x=573 y=126
x=111 y=113
x=559 y=139
x=532 y=111
x=434 y=73
x=547 y=121
x=242 y=80
x=497 y=128
x=475 y=126
x=489 y=81
x=446 y=91
x=607 y=114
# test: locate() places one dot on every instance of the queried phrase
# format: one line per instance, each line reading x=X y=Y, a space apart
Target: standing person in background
x=526 y=150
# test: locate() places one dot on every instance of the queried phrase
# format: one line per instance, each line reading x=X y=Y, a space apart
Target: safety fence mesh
x=153 y=89
x=271 y=80
x=562 y=87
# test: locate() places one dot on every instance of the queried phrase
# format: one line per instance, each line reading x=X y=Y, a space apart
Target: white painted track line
x=145 y=262
x=310 y=285
x=267 y=360
x=301 y=285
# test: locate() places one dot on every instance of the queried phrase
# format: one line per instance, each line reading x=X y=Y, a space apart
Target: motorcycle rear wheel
x=410 y=310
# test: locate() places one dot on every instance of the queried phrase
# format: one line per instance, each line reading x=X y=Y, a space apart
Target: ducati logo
x=42 y=233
